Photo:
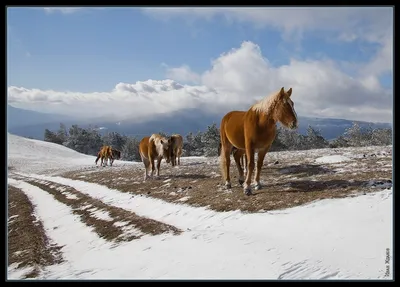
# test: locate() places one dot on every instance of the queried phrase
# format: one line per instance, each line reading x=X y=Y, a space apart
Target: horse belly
x=234 y=131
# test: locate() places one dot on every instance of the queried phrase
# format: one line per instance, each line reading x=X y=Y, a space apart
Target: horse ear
x=282 y=92
x=289 y=92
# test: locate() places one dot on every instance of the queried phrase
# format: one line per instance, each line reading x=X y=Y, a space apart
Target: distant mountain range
x=32 y=124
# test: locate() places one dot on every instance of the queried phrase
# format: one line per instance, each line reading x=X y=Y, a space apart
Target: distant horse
x=104 y=154
x=176 y=148
x=152 y=148
x=108 y=153
x=253 y=131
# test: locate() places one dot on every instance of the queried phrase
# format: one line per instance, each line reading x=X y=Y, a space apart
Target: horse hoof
x=228 y=185
x=257 y=187
x=247 y=191
x=241 y=182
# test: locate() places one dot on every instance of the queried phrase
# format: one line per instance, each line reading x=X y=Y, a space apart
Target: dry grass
x=28 y=245
x=290 y=181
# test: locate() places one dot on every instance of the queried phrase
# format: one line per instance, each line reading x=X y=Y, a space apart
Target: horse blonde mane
x=157 y=138
x=267 y=104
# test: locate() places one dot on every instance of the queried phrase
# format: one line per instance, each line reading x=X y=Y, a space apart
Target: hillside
x=316 y=208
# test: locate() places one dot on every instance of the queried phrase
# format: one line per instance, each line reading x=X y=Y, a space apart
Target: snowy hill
x=151 y=238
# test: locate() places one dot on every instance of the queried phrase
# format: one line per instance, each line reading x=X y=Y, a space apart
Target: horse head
x=285 y=112
x=167 y=147
x=117 y=154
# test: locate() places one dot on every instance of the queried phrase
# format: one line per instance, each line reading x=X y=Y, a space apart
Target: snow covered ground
x=349 y=238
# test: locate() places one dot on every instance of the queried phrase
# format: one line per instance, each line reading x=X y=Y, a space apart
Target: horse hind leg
x=146 y=163
x=238 y=156
x=225 y=162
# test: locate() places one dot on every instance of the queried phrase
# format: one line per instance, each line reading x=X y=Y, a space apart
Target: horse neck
x=266 y=119
x=265 y=110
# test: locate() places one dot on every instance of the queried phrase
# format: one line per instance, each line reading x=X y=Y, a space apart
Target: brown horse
x=176 y=148
x=104 y=154
x=253 y=131
x=152 y=148
x=107 y=153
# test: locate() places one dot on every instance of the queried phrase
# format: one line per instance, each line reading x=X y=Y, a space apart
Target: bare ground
x=28 y=245
x=289 y=179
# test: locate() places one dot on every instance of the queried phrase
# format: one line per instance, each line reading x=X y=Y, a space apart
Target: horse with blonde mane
x=104 y=154
x=107 y=153
x=155 y=147
x=176 y=148
x=253 y=131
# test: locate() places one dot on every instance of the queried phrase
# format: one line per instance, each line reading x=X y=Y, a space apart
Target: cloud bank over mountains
x=239 y=77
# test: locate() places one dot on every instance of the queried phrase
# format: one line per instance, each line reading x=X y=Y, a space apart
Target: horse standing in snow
x=253 y=131
x=152 y=148
x=107 y=153
x=104 y=153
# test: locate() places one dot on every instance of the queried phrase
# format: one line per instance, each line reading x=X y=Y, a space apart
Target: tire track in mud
x=28 y=243
x=109 y=222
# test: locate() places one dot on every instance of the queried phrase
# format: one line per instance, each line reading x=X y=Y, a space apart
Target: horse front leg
x=244 y=162
x=174 y=159
x=250 y=168
x=260 y=161
x=158 y=166
x=146 y=163
x=152 y=167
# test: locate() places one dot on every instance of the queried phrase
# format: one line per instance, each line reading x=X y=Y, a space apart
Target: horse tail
x=222 y=159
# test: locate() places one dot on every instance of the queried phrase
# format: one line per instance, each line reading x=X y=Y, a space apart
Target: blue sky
x=92 y=50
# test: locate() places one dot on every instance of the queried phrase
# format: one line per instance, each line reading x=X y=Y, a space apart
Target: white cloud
x=383 y=60
x=63 y=10
x=182 y=74
x=71 y=10
x=235 y=81
x=369 y=23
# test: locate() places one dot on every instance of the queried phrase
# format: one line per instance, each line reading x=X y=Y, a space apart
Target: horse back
x=105 y=151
